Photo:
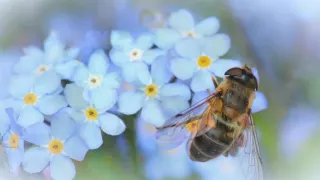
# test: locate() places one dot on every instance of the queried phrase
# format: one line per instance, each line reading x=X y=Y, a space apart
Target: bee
x=220 y=124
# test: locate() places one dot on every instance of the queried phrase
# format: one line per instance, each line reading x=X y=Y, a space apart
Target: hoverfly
x=220 y=124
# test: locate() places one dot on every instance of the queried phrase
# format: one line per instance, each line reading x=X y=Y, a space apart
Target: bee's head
x=244 y=76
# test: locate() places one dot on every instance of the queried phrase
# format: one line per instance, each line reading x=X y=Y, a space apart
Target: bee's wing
x=174 y=132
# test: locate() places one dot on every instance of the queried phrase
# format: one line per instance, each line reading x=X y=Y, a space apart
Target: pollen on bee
x=230 y=134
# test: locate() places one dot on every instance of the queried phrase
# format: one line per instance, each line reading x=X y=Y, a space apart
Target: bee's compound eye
x=246 y=101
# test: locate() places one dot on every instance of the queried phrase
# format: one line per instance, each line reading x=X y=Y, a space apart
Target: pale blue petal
x=259 y=103
x=29 y=116
x=35 y=159
x=119 y=57
x=81 y=76
x=136 y=71
x=160 y=72
x=54 y=48
x=183 y=68
x=74 y=96
x=66 y=70
x=111 y=124
x=166 y=38
x=62 y=126
x=201 y=81
x=5 y=119
x=27 y=64
x=152 y=113
x=38 y=134
x=33 y=51
x=91 y=134
x=181 y=20
x=150 y=55
x=104 y=98
x=61 y=167
x=176 y=89
x=77 y=115
x=73 y=52
x=145 y=41
x=112 y=80
x=47 y=83
x=120 y=39
x=217 y=45
x=98 y=63
x=15 y=156
x=75 y=148
x=13 y=118
x=130 y=102
x=207 y=27
x=174 y=105
x=219 y=67
x=51 y=104
x=199 y=96
x=20 y=85
x=188 y=48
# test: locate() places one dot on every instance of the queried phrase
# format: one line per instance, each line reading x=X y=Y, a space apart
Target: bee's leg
x=215 y=82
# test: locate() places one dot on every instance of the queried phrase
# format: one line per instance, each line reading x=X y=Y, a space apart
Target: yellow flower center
x=193 y=126
x=41 y=69
x=14 y=141
x=151 y=90
x=30 y=99
x=204 y=62
x=135 y=54
x=55 y=146
x=94 y=81
x=91 y=114
x=190 y=33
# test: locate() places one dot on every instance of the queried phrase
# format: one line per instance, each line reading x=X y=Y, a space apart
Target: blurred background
x=280 y=37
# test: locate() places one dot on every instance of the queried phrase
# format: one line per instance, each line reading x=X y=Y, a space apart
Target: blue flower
x=56 y=147
x=157 y=98
x=99 y=85
x=35 y=97
x=91 y=118
x=133 y=55
x=200 y=60
x=55 y=59
x=12 y=141
x=182 y=25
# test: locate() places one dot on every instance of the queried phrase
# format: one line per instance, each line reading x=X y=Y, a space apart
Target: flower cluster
x=58 y=105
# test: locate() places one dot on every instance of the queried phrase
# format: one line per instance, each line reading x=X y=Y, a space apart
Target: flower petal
x=75 y=148
x=74 y=96
x=91 y=134
x=183 y=68
x=118 y=57
x=181 y=20
x=73 y=52
x=98 y=63
x=112 y=80
x=259 y=103
x=61 y=167
x=104 y=98
x=66 y=70
x=150 y=55
x=20 y=85
x=152 y=113
x=207 y=27
x=15 y=156
x=145 y=41
x=35 y=159
x=188 y=48
x=51 y=104
x=217 y=45
x=130 y=102
x=220 y=66
x=120 y=39
x=27 y=64
x=77 y=115
x=62 y=126
x=47 y=83
x=176 y=89
x=38 y=134
x=166 y=38
x=29 y=116
x=174 y=105
x=81 y=76
x=54 y=48
x=136 y=71
x=201 y=81
x=160 y=72
x=111 y=124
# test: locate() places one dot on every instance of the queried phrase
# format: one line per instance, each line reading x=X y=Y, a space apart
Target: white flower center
x=41 y=69
x=190 y=33
x=135 y=54
x=94 y=81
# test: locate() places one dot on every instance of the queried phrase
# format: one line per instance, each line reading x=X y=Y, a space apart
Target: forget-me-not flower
x=91 y=118
x=157 y=98
x=56 y=147
x=133 y=55
x=34 y=98
x=54 y=58
x=200 y=60
x=181 y=25
x=100 y=86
